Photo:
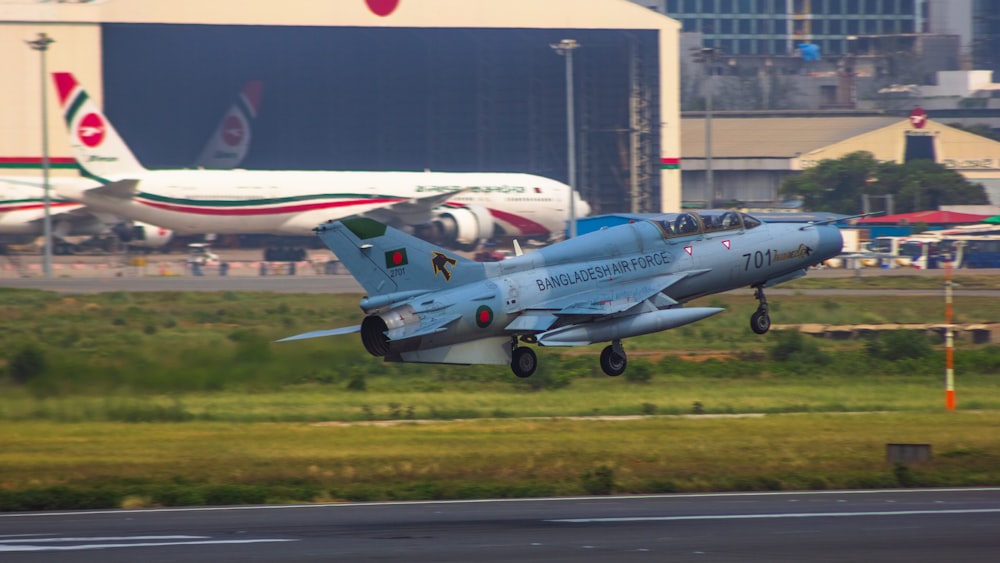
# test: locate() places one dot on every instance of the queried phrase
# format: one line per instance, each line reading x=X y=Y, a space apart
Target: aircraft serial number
x=764 y=258
x=758 y=259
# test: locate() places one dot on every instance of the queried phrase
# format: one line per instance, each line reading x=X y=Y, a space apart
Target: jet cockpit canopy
x=687 y=223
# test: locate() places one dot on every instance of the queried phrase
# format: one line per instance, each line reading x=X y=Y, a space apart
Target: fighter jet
x=430 y=305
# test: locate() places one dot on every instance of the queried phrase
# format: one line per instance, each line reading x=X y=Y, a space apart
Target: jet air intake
x=624 y=327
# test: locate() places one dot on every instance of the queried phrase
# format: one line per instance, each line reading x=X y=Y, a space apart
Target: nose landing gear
x=760 y=321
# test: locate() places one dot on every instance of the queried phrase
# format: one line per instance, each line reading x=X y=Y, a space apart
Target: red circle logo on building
x=233 y=130
x=90 y=131
x=918 y=118
x=382 y=7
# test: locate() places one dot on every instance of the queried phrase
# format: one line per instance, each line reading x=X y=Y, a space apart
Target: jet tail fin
x=386 y=261
x=230 y=142
x=99 y=150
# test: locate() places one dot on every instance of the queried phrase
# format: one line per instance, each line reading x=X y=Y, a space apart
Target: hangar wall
x=170 y=67
x=21 y=90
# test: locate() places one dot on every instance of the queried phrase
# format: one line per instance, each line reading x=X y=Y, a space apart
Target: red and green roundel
x=484 y=316
x=395 y=258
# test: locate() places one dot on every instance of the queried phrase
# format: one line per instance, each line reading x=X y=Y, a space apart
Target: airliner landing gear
x=613 y=359
x=523 y=361
x=760 y=321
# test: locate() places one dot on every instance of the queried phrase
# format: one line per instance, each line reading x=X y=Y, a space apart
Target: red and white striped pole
x=949 y=342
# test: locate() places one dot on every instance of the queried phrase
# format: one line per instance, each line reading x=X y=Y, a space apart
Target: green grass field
x=183 y=398
x=52 y=465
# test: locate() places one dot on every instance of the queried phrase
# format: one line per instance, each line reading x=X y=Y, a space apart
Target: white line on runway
x=759 y=516
x=601 y=499
x=11 y=548
x=117 y=538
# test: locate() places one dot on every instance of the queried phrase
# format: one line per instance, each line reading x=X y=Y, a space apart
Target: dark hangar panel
x=394 y=99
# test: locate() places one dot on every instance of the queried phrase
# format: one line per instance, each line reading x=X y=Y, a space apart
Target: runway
x=885 y=526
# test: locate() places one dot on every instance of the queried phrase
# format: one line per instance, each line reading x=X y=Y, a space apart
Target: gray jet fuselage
x=427 y=305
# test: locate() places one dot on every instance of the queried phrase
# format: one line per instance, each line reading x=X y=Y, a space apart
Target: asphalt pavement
x=887 y=526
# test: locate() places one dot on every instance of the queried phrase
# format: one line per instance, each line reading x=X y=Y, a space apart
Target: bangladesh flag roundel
x=394 y=258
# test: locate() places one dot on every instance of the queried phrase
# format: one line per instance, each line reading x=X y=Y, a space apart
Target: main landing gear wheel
x=613 y=359
x=523 y=361
x=760 y=321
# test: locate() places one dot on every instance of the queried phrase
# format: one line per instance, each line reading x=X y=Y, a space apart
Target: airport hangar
x=446 y=85
x=752 y=153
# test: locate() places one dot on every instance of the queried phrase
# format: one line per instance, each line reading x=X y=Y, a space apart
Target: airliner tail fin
x=230 y=142
x=99 y=150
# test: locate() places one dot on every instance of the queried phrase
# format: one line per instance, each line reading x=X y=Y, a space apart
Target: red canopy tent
x=925 y=217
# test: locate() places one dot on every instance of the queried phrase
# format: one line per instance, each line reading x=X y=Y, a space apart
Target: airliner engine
x=143 y=235
x=465 y=226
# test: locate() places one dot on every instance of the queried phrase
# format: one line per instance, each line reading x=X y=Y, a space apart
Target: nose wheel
x=613 y=359
x=760 y=321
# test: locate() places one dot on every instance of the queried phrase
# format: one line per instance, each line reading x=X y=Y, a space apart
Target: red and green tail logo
x=394 y=258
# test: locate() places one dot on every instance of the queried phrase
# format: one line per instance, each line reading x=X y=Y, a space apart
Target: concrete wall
x=77 y=47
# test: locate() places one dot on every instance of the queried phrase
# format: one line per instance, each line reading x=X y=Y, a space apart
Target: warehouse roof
x=773 y=137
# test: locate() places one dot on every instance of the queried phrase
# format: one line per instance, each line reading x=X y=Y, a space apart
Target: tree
x=919 y=185
x=838 y=185
x=833 y=185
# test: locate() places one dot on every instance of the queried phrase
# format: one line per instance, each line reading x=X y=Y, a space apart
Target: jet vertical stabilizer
x=387 y=261
x=99 y=150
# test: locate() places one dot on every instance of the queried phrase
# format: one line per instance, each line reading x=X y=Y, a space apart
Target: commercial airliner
x=22 y=207
x=458 y=209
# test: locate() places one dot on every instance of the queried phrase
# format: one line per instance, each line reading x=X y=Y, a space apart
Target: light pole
x=708 y=57
x=42 y=45
x=566 y=47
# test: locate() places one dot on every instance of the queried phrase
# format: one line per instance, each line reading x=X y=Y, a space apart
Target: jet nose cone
x=831 y=243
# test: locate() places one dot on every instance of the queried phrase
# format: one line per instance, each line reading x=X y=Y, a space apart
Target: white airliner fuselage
x=294 y=202
x=451 y=207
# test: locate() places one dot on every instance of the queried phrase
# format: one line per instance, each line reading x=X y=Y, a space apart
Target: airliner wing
x=122 y=189
x=412 y=211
